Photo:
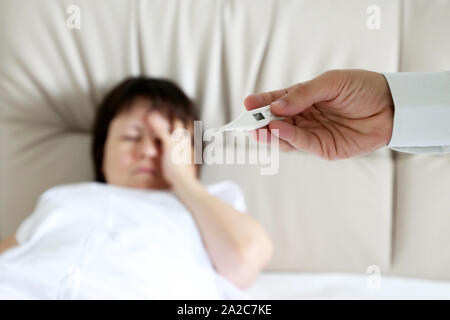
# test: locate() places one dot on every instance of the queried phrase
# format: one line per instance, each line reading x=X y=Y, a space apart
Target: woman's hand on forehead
x=177 y=160
x=157 y=123
x=157 y=120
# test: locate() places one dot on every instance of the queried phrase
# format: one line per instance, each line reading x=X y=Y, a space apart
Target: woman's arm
x=8 y=243
x=237 y=244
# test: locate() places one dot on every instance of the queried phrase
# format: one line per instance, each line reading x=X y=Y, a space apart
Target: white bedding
x=92 y=241
x=99 y=241
x=344 y=286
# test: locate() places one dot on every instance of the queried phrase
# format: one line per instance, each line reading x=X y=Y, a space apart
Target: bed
x=342 y=286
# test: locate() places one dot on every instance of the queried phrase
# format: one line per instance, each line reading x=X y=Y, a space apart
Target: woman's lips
x=146 y=171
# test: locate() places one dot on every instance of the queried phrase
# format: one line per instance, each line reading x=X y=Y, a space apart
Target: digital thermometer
x=251 y=120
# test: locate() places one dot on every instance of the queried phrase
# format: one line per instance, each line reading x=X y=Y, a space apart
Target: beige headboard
x=386 y=209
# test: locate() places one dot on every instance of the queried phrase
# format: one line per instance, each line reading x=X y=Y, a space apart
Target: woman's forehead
x=135 y=118
x=137 y=113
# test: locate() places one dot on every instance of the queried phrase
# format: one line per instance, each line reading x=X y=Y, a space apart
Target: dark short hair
x=165 y=96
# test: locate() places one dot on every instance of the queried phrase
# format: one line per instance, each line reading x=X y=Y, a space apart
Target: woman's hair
x=165 y=96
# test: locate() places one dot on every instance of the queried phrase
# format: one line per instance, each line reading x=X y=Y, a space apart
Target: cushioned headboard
x=323 y=216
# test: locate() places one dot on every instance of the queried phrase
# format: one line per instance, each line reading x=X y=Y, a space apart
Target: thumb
x=304 y=95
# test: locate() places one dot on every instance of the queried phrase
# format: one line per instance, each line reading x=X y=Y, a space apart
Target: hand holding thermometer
x=251 y=120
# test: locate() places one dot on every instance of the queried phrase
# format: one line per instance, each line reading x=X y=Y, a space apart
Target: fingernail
x=279 y=104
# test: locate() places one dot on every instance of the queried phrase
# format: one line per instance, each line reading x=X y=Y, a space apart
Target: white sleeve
x=421 y=111
x=229 y=192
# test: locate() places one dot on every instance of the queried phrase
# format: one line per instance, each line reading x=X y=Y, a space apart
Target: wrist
x=390 y=109
x=390 y=122
x=181 y=183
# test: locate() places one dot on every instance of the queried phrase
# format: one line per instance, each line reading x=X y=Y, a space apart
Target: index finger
x=159 y=125
x=259 y=100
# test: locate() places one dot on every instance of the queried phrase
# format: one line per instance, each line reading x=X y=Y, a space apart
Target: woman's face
x=132 y=156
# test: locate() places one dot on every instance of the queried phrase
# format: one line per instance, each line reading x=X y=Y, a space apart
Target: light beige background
x=385 y=209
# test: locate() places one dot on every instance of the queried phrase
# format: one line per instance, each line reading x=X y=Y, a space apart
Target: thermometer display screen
x=259 y=116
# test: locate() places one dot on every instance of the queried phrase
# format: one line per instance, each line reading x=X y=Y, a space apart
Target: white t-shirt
x=99 y=241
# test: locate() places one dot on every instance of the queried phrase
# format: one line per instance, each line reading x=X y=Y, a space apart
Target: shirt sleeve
x=229 y=192
x=421 y=111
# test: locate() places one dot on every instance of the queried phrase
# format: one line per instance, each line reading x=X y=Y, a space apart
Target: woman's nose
x=148 y=148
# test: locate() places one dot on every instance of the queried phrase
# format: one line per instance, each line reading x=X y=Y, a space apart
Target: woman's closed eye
x=131 y=138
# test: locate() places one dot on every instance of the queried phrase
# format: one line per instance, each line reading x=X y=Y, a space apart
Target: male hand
x=339 y=114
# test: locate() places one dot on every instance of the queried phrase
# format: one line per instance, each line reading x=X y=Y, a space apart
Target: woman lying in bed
x=147 y=228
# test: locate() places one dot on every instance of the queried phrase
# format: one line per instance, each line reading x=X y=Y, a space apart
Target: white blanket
x=297 y=285
x=98 y=241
